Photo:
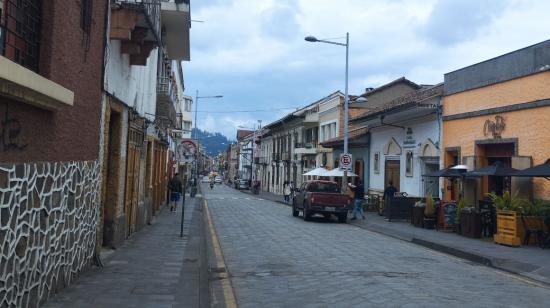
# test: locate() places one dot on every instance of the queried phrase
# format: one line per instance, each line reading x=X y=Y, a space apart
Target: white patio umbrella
x=319 y=171
x=339 y=173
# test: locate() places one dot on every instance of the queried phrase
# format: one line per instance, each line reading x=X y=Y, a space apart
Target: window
x=187 y=125
x=328 y=131
x=188 y=105
x=323 y=187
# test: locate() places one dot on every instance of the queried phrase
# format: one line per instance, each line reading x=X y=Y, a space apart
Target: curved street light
x=313 y=39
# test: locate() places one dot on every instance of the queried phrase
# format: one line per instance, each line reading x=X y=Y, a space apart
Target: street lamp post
x=346 y=101
x=196 y=131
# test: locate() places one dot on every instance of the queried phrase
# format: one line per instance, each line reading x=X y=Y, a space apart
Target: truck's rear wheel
x=306 y=214
x=342 y=217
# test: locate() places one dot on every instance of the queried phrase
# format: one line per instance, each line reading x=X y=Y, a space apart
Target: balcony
x=285 y=156
x=306 y=148
x=166 y=100
x=137 y=24
x=176 y=22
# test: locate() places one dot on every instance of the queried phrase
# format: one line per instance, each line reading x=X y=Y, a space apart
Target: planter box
x=508 y=233
x=510 y=229
x=470 y=224
x=417 y=219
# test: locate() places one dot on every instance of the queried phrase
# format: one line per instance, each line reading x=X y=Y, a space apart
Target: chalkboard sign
x=449 y=213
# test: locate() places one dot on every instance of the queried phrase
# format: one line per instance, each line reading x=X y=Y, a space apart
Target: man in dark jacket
x=359 y=192
x=175 y=192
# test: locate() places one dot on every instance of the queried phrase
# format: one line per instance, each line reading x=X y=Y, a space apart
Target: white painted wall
x=132 y=84
x=422 y=130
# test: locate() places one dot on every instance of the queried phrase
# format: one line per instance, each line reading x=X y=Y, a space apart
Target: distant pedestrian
x=390 y=191
x=175 y=192
x=359 y=195
x=286 y=191
x=291 y=190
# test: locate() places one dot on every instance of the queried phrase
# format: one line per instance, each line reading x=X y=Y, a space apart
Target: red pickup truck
x=320 y=197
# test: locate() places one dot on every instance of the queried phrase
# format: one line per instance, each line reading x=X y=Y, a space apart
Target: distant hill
x=214 y=143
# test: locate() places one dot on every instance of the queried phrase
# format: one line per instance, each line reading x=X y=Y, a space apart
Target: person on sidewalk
x=286 y=191
x=358 y=200
x=389 y=191
x=175 y=192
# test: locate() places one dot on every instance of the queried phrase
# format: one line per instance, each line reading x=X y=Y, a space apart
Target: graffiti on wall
x=10 y=131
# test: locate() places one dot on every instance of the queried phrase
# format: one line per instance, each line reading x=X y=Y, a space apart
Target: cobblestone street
x=276 y=260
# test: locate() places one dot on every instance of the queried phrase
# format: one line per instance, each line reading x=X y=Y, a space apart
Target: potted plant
x=429 y=213
x=534 y=215
x=417 y=219
x=468 y=222
x=509 y=210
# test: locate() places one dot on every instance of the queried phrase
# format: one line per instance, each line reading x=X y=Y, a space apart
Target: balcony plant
x=429 y=213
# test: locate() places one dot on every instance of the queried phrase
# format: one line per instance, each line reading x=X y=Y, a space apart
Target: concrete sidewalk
x=530 y=261
x=154 y=268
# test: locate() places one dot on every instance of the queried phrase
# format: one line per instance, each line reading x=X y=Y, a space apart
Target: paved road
x=276 y=260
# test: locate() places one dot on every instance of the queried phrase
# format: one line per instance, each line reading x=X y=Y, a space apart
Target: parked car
x=242 y=184
x=320 y=197
x=205 y=179
x=218 y=180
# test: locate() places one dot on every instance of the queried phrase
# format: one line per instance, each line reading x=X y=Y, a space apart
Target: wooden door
x=392 y=171
x=131 y=196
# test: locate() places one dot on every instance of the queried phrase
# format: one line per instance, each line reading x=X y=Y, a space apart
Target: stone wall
x=48 y=225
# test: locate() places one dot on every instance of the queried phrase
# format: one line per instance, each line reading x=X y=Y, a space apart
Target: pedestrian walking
x=286 y=191
x=389 y=191
x=291 y=197
x=359 y=195
x=175 y=192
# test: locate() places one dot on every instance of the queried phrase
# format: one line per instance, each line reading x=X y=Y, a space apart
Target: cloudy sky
x=253 y=51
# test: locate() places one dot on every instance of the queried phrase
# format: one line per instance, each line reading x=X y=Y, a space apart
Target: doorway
x=111 y=168
x=431 y=184
x=392 y=169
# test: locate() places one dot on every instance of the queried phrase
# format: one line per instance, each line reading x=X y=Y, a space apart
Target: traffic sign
x=345 y=161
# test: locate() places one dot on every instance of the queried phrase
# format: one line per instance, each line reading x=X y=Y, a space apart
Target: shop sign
x=494 y=128
x=409 y=141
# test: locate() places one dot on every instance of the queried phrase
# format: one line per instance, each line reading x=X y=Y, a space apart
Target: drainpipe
x=367 y=163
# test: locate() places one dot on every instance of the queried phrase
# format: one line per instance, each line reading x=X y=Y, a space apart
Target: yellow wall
x=521 y=90
x=530 y=126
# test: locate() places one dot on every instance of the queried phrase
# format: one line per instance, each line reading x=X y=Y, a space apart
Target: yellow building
x=498 y=110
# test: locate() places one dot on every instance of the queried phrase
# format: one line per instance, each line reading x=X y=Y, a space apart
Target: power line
x=244 y=111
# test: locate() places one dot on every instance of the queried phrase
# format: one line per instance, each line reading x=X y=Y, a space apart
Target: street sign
x=185 y=151
x=345 y=161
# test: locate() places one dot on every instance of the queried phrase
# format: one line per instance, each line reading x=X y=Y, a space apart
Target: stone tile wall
x=48 y=225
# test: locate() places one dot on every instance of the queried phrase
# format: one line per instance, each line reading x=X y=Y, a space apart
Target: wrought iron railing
x=151 y=10
x=20 y=32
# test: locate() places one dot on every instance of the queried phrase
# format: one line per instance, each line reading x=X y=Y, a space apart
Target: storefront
x=497 y=111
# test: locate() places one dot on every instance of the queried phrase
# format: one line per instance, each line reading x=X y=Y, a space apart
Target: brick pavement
x=531 y=262
x=154 y=268
x=276 y=260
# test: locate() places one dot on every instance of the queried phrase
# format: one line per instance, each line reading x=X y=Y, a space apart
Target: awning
x=319 y=171
x=339 y=173
x=496 y=169
x=445 y=173
x=542 y=171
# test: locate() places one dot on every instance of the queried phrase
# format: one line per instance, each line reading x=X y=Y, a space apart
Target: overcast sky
x=253 y=51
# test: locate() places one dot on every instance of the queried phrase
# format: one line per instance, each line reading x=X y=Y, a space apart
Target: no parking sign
x=345 y=161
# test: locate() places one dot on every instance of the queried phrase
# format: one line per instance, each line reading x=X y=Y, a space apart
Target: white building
x=405 y=142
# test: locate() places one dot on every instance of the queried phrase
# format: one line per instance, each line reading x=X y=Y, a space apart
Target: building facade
x=50 y=174
x=496 y=110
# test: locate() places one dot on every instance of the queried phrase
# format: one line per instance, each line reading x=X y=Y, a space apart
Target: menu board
x=449 y=213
